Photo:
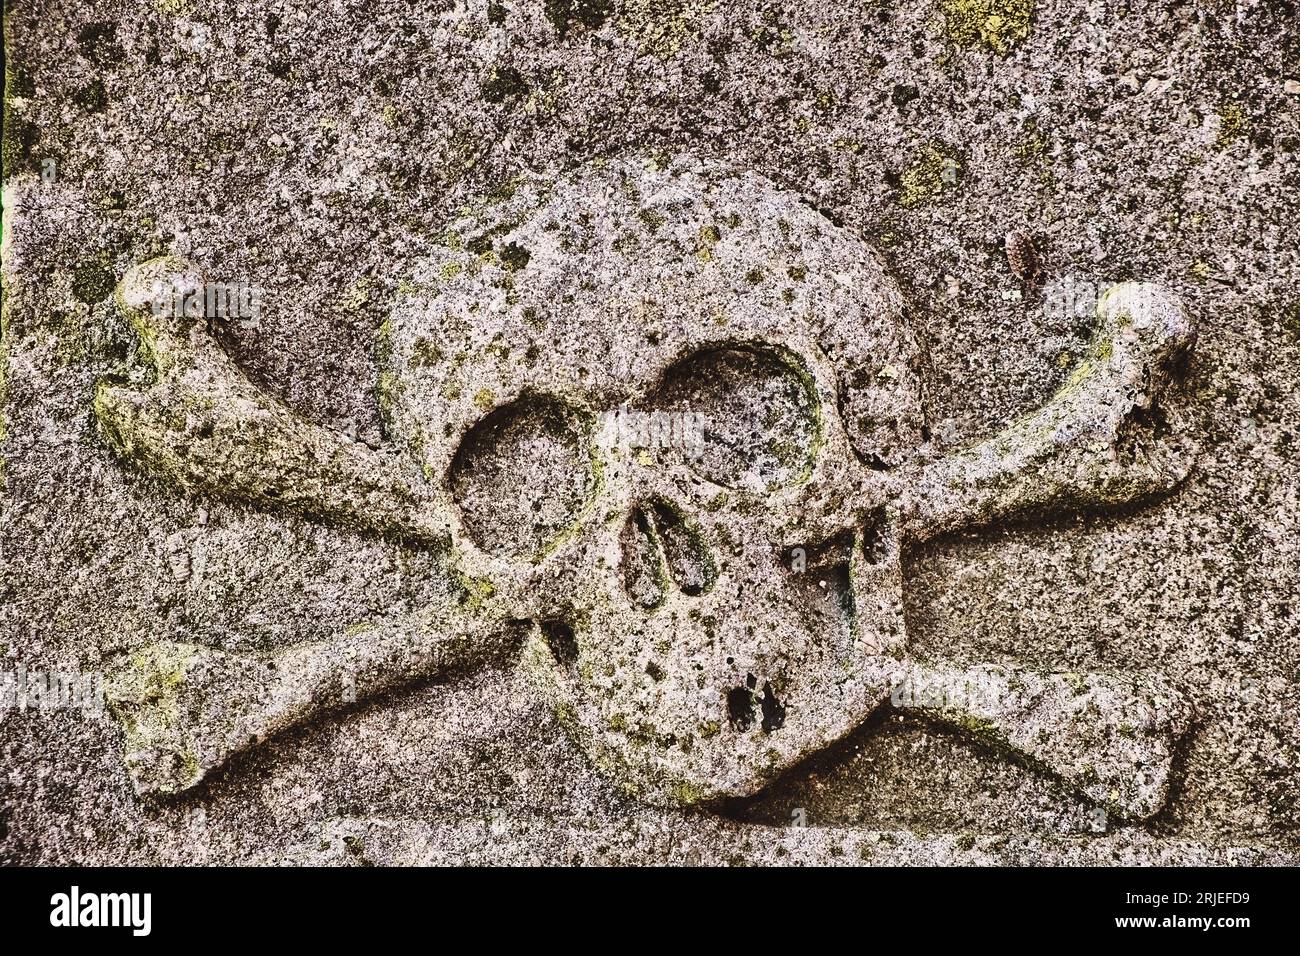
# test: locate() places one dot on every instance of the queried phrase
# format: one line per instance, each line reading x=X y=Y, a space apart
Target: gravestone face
x=482 y=434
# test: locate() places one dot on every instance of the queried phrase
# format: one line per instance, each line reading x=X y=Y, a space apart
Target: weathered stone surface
x=925 y=547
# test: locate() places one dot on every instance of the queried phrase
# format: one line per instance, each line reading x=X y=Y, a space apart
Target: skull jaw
x=708 y=762
x=701 y=700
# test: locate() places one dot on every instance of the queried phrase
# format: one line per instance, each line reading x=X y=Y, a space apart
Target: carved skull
x=701 y=614
x=705 y=616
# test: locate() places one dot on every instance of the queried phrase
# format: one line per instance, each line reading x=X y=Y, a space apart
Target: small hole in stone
x=561 y=640
x=654 y=671
x=740 y=708
x=773 y=710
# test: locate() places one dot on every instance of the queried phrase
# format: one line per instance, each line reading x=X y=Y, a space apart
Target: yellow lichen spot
x=997 y=25
x=709 y=236
x=935 y=171
x=358 y=296
x=485 y=398
x=687 y=794
x=662 y=28
x=477 y=590
x=1233 y=124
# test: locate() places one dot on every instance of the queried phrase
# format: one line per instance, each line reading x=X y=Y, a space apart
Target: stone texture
x=311 y=606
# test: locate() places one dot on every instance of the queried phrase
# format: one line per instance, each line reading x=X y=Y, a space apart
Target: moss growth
x=936 y=171
x=997 y=25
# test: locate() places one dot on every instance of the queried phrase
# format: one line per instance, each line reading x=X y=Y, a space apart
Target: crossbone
x=700 y=621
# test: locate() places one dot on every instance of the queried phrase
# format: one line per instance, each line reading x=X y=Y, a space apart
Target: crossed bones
x=662 y=615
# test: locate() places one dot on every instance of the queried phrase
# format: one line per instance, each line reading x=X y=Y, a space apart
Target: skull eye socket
x=760 y=416
x=522 y=476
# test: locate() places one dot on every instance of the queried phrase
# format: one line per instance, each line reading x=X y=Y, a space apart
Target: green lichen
x=388 y=392
x=772 y=35
x=936 y=170
x=686 y=794
x=652 y=218
x=1033 y=142
x=997 y=25
x=476 y=591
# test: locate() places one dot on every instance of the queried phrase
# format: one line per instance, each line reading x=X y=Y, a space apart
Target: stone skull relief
x=681 y=497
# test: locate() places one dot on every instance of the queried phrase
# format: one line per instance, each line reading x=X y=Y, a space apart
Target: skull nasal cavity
x=760 y=415
x=522 y=476
x=659 y=547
